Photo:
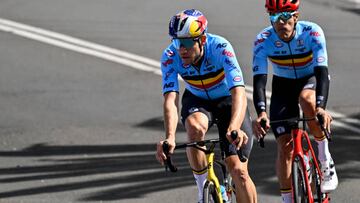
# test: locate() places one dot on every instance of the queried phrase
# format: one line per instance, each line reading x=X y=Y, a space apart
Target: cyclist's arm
x=235 y=81
x=170 y=91
x=322 y=86
x=260 y=72
x=171 y=106
x=239 y=105
x=259 y=94
x=318 y=44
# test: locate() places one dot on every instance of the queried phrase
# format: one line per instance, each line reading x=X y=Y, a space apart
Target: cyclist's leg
x=307 y=102
x=284 y=105
x=245 y=187
x=196 y=120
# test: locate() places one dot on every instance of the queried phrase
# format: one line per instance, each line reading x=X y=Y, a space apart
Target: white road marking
x=118 y=56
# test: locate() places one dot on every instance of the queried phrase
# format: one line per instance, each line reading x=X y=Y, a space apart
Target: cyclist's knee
x=285 y=148
x=307 y=101
x=195 y=131
x=241 y=173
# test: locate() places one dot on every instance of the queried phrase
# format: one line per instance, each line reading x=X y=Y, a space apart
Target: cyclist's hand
x=326 y=117
x=259 y=131
x=241 y=139
x=160 y=155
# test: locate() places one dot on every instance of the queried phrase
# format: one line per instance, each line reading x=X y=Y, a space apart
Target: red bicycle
x=306 y=173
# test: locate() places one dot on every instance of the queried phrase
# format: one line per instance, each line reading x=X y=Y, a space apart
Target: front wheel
x=299 y=189
x=210 y=194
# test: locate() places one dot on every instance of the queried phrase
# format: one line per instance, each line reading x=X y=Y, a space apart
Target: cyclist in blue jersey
x=297 y=52
x=214 y=92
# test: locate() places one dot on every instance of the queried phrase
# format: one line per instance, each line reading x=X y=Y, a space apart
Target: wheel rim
x=299 y=188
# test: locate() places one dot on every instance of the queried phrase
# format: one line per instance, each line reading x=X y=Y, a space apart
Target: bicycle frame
x=210 y=158
x=210 y=154
x=298 y=135
x=298 y=153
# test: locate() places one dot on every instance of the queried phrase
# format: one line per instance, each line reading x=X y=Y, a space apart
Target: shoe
x=329 y=178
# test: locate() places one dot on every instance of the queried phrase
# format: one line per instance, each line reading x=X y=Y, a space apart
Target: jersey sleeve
x=170 y=81
x=318 y=45
x=232 y=70
x=260 y=63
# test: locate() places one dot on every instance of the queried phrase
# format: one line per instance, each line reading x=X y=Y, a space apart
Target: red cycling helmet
x=275 y=6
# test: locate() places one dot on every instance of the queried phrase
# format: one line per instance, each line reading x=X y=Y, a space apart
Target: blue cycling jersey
x=294 y=59
x=218 y=73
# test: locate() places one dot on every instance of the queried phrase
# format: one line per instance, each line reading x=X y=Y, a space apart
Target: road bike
x=306 y=173
x=211 y=191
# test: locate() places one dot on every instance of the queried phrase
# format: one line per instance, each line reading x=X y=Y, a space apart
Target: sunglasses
x=274 y=17
x=184 y=42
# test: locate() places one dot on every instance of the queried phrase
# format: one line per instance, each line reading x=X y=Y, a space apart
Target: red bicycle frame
x=298 y=153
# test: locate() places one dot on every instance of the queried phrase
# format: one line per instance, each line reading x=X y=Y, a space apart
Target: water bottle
x=308 y=169
x=224 y=194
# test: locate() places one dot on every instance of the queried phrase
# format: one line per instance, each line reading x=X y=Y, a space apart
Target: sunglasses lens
x=187 y=43
x=283 y=15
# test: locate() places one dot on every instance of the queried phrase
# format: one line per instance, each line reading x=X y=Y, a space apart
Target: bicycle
x=211 y=191
x=304 y=190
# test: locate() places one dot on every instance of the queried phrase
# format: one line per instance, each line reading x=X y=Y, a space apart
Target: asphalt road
x=80 y=125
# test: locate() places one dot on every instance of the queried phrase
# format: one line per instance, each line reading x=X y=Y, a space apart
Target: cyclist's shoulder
x=264 y=35
x=218 y=47
x=215 y=41
x=307 y=26
x=169 y=56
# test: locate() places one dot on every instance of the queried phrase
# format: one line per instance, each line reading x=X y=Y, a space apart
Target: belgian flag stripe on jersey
x=292 y=60
x=207 y=80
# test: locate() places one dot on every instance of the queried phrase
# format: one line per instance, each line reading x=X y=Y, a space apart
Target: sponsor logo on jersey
x=278 y=44
x=315 y=34
x=307 y=28
x=169 y=53
x=169 y=85
x=237 y=79
x=209 y=68
x=167 y=74
x=167 y=62
x=300 y=42
x=227 y=53
x=186 y=66
x=230 y=63
x=221 y=45
x=280 y=129
x=320 y=59
x=261 y=104
x=193 y=110
x=309 y=86
x=265 y=34
x=316 y=41
x=303 y=49
x=261 y=40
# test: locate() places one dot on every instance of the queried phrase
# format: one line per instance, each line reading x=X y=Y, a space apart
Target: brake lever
x=234 y=136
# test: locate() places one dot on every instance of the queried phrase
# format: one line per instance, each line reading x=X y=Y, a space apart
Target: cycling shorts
x=218 y=112
x=285 y=101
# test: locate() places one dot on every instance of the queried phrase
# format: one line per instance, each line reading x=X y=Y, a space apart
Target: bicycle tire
x=209 y=193
x=317 y=194
x=299 y=189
